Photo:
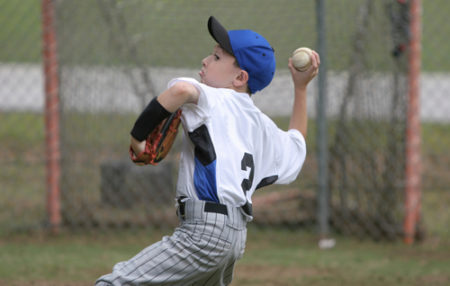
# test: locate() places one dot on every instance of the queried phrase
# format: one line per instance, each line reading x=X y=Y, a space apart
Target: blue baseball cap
x=252 y=51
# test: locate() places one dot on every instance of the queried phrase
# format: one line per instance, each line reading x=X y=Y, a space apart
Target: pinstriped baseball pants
x=202 y=251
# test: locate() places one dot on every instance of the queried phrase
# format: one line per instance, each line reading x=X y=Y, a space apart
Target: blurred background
x=114 y=56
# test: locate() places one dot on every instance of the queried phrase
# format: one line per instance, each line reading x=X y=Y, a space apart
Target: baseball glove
x=159 y=142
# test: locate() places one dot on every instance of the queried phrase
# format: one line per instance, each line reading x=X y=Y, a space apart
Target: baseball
x=301 y=58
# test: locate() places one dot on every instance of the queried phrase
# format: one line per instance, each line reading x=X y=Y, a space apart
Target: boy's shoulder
x=206 y=89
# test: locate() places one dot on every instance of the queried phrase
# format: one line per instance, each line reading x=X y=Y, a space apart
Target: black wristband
x=152 y=115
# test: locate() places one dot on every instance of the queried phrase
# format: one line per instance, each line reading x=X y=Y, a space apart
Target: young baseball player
x=230 y=149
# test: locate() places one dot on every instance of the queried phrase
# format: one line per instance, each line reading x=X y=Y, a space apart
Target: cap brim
x=220 y=34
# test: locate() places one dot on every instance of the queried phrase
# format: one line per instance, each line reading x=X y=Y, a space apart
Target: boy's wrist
x=299 y=89
x=152 y=115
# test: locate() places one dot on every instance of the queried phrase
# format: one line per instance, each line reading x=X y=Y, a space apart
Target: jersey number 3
x=247 y=162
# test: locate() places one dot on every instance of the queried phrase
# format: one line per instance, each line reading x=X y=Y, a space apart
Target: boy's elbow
x=184 y=91
x=177 y=95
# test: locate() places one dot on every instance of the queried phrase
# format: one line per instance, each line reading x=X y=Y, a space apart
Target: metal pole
x=413 y=159
x=322 y=143
x=50 y=65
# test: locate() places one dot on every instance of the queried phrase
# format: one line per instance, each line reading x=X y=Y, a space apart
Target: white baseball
x=301 y=58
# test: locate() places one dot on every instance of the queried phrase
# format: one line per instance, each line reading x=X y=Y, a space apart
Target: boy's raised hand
x=302 y=78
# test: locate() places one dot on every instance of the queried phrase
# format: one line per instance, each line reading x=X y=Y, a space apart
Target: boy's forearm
x=167 y=102
x=158 y=109
x=299 y=117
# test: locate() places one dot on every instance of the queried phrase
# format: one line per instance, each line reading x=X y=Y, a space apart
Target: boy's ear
x=241 y=79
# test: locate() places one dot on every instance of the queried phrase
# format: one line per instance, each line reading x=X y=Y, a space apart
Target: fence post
x=50 y=65
x=322 y=143
x=413 y=160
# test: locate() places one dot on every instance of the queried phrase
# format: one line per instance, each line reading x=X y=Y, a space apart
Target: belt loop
x=248 y=209
x=181 y=207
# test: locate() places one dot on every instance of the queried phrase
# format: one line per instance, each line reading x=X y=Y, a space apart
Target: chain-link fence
x=22 y=156
x=114 y=56
x=367 y=118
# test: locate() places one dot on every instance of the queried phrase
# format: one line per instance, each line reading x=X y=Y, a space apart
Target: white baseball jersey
x=230 y=148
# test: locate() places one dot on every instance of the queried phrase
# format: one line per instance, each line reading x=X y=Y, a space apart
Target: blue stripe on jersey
x=205 y=165
x=205 y=181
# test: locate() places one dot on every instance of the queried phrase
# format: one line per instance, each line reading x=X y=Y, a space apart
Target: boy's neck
x=243 y=89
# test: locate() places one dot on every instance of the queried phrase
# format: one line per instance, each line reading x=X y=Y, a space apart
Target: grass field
x=273 y=256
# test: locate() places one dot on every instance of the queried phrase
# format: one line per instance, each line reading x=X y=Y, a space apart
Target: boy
x=230 y=149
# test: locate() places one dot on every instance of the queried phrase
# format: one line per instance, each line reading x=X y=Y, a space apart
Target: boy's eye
x=216 y=56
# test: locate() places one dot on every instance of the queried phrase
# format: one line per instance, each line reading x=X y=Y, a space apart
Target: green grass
x=20 y=32
x=155 y=31
x=433 y=139
x=352 y=262
x=22 y=197
x=273 y=257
